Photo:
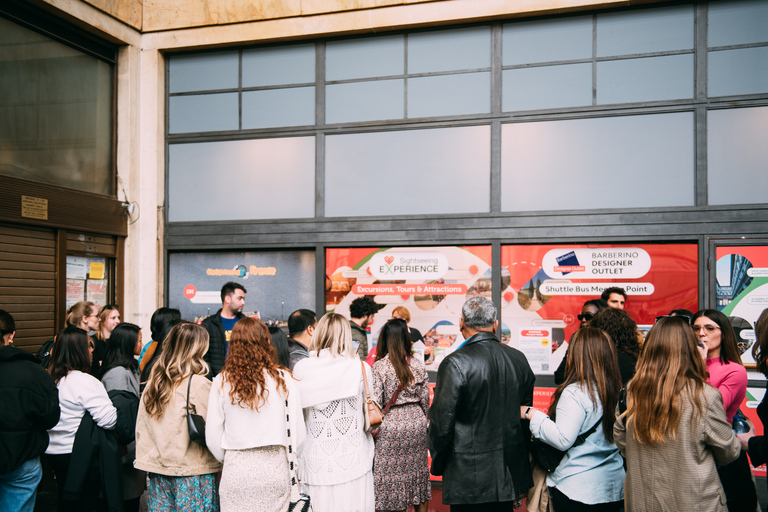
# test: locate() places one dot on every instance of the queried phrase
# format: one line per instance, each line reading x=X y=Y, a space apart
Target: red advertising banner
x=432 y=283
x=545 y=286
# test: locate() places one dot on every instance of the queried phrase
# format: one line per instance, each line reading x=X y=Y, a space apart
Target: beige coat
x=680 y=474
x=163 y=445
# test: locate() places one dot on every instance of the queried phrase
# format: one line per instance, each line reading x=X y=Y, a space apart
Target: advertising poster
x=749 y=408
x=545 y=286
x=742 y=290
x=431 y=282
x=277 y=282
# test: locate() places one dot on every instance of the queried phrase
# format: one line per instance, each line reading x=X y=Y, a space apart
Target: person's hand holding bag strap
x=195 y=422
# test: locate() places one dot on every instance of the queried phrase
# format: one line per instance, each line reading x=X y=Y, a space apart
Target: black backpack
x=44 y=354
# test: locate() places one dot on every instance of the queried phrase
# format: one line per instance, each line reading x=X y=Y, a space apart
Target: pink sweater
x=731 y=380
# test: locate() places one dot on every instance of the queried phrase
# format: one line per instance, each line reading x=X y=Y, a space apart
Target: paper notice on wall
x=96 y=268
x=75 y=291
x=76 y=267
x=536 y=344
x=97 y=291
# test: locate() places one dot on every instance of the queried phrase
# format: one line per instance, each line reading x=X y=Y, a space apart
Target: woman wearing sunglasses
x=717 y=343
x=588 y=312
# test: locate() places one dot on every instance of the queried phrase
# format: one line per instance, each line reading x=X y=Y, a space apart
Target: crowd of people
x=636 y=423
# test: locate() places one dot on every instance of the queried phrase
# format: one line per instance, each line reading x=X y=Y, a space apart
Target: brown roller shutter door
x=28 y=282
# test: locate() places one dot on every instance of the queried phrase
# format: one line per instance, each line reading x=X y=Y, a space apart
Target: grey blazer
x=680 y=474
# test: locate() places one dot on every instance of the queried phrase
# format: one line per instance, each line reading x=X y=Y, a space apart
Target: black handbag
x=549 y=457
x=195 y=422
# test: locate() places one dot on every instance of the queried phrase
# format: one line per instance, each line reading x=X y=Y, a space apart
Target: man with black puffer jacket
x=29 y=402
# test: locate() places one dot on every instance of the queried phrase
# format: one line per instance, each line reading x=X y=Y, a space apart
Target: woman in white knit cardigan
x=335 y=466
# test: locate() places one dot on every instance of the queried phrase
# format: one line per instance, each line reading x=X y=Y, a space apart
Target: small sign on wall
x=34 y=207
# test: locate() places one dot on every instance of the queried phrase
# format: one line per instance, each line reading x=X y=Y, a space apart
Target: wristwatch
x=527 y=412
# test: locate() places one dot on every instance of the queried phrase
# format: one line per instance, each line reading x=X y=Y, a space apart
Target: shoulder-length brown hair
x=182 y=357
x=70 y=352
x=395 y=341
x=251 y=357
x=760 y=350
x=592 y=363
x=669 y=366
x=729 y=347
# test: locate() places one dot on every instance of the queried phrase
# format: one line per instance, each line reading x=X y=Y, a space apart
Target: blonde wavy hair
x=670 y=366
x=333 y=332
x=182 y=357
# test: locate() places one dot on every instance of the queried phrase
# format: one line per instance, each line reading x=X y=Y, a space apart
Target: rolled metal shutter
x=28 y=282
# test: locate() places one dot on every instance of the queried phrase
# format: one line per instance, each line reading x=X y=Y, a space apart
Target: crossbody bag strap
x=392 y=400
x=189 y=385
x=365 y=381
x=583 y=437
x=295 y=491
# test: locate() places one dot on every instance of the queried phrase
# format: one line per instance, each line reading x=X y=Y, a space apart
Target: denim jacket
x=592 y=472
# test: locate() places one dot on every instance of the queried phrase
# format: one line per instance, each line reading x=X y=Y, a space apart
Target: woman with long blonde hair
x=674 y=431
x=182 y=474
x=590 y=476
x=335 y=466
x=246 y=426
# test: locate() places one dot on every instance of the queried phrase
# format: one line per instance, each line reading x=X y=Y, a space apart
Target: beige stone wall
x=128 y=11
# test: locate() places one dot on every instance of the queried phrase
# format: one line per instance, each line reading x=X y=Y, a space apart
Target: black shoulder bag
x=195 y=422
x=549 y=457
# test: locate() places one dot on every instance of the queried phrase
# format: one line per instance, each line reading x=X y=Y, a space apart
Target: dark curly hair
x=251 y=357
x=620 y=328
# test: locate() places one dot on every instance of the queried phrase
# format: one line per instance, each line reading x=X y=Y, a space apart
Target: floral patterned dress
x=400 y=468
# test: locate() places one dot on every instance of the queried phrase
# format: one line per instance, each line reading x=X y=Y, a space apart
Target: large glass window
x=248 y=179
x=408 y=172
x=615 y=162
x=55 y=112
x=738 y=156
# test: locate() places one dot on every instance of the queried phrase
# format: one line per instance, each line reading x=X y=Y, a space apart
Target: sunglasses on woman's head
x=108 y=307
x=682 y=317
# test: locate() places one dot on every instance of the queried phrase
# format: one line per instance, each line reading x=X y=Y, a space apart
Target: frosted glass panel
x=569 y=85
x=588 y=163
x=653 y=30
x=737 y=170
x=279 y=107
x=242 y=180
x=449 y=50
x=284 y=65
x=547 y=41
x=365 y=58
x=648 y=79
x=447 y=95
x=741 y=71
x=444 y=170
x=738 y=22
x=203 y=113
x=203 y=72
x=364 y=101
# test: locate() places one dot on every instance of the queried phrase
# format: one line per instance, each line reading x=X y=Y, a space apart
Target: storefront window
x=55 y=112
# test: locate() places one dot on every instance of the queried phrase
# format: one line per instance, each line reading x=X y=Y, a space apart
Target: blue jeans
x=18 y=489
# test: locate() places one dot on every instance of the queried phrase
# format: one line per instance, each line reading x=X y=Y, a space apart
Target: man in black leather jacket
x=476 y=438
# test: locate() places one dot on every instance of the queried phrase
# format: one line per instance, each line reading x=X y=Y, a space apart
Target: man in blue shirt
x=220 y=325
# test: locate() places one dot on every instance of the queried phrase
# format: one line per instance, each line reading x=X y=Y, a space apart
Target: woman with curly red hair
x=246 y=423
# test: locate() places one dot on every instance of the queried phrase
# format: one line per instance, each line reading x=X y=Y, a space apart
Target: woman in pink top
x=729 y=376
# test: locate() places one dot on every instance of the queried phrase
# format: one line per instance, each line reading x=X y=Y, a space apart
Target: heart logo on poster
x=389 y=259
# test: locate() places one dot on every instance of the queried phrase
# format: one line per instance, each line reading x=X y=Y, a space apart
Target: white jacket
x=235 y=427
x=79 y=392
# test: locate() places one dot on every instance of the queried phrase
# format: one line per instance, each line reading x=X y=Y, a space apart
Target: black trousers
x=736 y=477
x=498 y=506
x=562 y=503
x=89 y=497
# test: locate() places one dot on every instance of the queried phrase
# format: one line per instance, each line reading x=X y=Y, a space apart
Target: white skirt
x=353 y=496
